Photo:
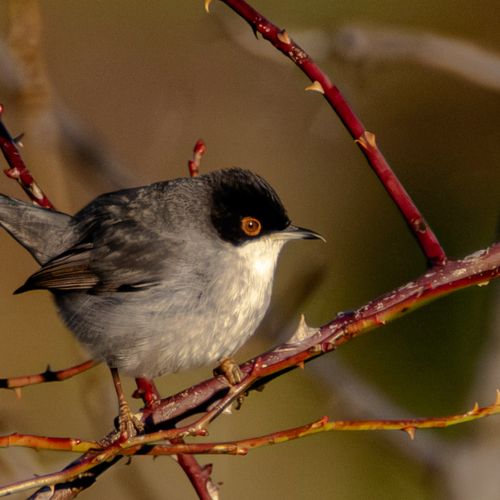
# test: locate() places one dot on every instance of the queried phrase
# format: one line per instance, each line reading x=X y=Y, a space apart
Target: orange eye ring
x=251 y=226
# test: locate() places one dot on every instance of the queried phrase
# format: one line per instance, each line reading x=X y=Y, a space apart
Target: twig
x=198 y=152
x=242 y=446
x=420 y=229
x=147 y=391
x=49 y=375
x=199 y=476
x=47 y=443
x=76 y=470
x=18 y=169
x=410 y=425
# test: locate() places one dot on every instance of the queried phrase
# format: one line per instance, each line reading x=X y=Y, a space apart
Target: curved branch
x=280 y=39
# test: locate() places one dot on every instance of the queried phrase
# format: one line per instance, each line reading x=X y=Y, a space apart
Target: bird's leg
x=231 y=371
x=129 y=425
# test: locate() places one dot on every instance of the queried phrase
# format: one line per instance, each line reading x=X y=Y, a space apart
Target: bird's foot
x=230 y=370
x=128 y=424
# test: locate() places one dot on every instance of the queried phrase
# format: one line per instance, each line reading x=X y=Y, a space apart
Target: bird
x=160 y=278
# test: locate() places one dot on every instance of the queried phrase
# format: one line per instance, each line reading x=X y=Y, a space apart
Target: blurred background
x=115 y=94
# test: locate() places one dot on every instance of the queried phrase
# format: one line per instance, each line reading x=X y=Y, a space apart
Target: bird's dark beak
x=298 y=233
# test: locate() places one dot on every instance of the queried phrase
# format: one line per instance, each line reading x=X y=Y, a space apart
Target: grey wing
x=125 y=256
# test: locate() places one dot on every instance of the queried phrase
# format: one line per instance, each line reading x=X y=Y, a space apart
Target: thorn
x=13 y=173
x=315 y=349
x=475 y=408
x=302 y=332
x=319 y=423
x=207 y=6
x=228 y=410
x=18 y=392
x=301 y=365
x=410 y=431
x=17 y=140
x=283 y=37
x=497 y=400
x=316 y=87
x=36 y=191
x=367 y=139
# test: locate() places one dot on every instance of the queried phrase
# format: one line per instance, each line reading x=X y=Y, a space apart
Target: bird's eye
x=251 y=226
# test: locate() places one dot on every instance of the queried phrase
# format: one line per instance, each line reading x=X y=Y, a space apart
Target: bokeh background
x=114 y=94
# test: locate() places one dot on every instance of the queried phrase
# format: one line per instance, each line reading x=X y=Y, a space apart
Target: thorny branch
x=242 y=446
x=18 y=170
x=49 y=375
x=211 y=397
x=365 y=139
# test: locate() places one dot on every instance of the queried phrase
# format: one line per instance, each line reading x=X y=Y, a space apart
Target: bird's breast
x=190 y=319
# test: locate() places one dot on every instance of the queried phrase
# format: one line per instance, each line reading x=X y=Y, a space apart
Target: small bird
x=160 y=278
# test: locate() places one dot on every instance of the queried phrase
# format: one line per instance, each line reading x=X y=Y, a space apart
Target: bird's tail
x=44 y=233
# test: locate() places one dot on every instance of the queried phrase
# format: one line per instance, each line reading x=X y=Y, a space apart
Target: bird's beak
x=298 y=233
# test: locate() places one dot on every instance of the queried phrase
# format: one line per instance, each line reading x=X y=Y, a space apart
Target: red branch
x=199 y=476
x=18 y=169
x=426 y=238
x=198 y=152
x=48 y=375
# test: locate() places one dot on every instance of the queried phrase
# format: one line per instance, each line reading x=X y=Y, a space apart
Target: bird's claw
x=128 y=424
x=230 y=370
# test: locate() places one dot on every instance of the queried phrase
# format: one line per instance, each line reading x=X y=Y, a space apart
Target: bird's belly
x=144 y=336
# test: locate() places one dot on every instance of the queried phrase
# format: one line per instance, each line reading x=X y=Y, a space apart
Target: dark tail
x=44 y=233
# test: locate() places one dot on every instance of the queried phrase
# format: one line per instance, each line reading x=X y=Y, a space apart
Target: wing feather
x=68 y=272
x=121 y=257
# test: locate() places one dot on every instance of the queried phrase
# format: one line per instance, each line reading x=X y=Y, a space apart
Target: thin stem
x=16 y=383
x=147 y=391
x=280 y=39
x=198 y=475
x=18 y=169
x=78 y=469
x=409 y=425
x=198 y=152
x=47 y=443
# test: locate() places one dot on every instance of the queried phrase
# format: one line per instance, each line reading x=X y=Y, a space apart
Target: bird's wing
x=124 y=256
x=69 y=271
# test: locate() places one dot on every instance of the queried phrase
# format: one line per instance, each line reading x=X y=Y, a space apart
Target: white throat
x=260 y=257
